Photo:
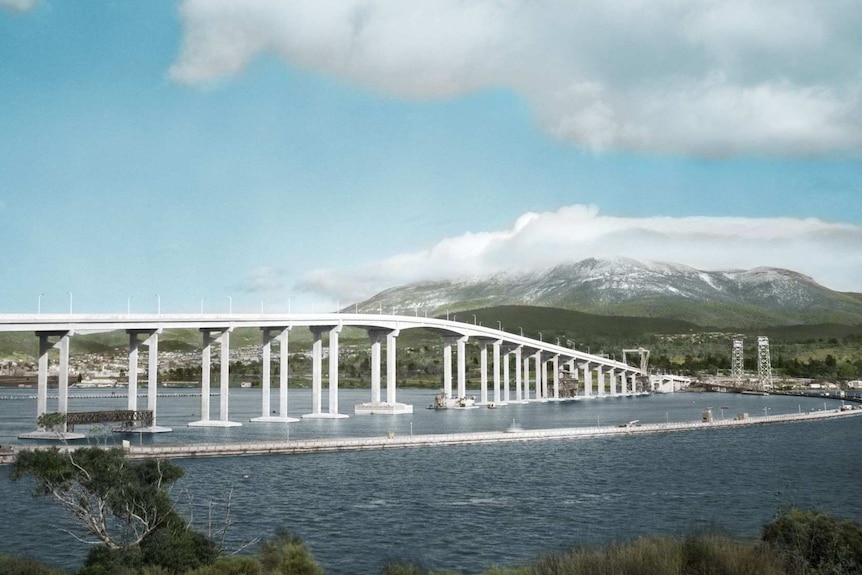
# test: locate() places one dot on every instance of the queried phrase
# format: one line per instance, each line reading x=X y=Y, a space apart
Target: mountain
x=625 y=287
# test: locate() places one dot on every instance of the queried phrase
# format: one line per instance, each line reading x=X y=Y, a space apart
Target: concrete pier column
x=483 y=372
x=375 y=366
x=588 y=380
x=634 y=383
x=224 y=379
x=283 y=374
x=132 y=403
x=333 y=370
x=613 y=379
x=462 y=366
x=518 y=370
x=526 y=368
x=45 y=347
x=623 y=384
x=316 y=370
x=540 y=375
x=152 y=343
x=600 y=381
x=265 y=372
x=391 y=373
x=206 y=359
x=447 y=367
x=555 y=362
x=496 y=369
x=507 y=357
x=63 y=376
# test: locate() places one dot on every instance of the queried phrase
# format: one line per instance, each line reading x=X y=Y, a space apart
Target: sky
x=302 y=155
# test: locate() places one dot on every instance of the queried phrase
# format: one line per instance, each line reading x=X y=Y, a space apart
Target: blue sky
x=318 y=152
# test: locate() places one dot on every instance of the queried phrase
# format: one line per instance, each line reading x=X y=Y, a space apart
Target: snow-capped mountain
x=621 y=286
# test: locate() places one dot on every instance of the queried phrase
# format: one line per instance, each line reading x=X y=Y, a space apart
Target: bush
x=815 y=543
x=708 y=554
x=231 y=566
x=287 y=555
x=177 y=548
x=12 y=565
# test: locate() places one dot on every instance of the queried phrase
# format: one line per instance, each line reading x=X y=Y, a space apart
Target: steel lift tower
x=764 y=365
x=736 y=363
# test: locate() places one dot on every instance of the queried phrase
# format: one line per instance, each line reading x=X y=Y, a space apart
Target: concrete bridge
x=511 y=355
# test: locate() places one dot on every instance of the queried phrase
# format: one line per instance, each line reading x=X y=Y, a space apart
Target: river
x=468 y=507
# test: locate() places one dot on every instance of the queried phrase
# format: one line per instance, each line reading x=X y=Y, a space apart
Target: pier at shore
x=392 y=441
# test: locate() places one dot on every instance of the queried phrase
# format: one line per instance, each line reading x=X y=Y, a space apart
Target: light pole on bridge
x=39 y=304
x=129 y=305
x=70 y=302
x=499 y=325
x=202 y=305
x=522 y=331
x=229 y=305
x=540 y=337
x=158 y=304
x=474 y=319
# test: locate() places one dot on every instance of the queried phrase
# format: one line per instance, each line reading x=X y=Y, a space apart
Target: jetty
x=392 y=441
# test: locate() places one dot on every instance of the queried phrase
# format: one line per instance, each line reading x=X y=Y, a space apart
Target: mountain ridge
x=758 y=296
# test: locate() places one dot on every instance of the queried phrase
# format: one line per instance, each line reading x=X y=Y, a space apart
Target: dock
x=392 y=441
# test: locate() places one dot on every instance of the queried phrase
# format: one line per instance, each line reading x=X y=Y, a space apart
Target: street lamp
x=202 y=305
x=540 y=336
x=499 y=325
x=129 y=306
x=158 y=304
x=229 y=305
x=474 y=319
x=522 y=331
x=70 y=302
x=39 y=304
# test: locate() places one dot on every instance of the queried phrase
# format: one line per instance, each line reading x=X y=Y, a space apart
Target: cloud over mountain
x=700 y=77
x=829 y=252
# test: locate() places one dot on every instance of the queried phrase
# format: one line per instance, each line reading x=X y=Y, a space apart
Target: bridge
x=511 y=355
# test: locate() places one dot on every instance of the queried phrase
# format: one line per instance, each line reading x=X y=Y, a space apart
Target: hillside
x=733 y=299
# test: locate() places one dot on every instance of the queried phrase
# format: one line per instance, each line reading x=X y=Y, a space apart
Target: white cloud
x=17 y=5
x=262 y=280
x=829 y=252
x=697 y=77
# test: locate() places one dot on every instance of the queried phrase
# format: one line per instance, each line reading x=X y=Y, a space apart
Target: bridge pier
x=45 y=346
x=519 y=369
x=555 y=361
x=483 y=372
x=462 y=367
x=317 y=374
x=496 y=376
x=588 y=379
x=506 y=383
x=447 y=366
x=152 y=377
x=390 y=406
x=224 y=378
x=612 y=375
x=269 y=335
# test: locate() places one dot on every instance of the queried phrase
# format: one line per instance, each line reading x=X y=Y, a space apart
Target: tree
x=115 y=502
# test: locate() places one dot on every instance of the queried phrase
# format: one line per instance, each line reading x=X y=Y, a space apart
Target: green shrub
x=816 y=543
x=13 y=565
x=287 y=555
x=231 y=566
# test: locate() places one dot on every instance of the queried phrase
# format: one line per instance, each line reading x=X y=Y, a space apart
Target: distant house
x=856 y=384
